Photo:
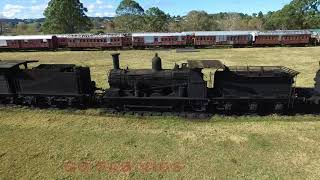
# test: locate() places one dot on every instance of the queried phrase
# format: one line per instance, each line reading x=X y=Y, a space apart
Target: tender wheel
x=228 y=108
x=279 y=107
x=253 y=107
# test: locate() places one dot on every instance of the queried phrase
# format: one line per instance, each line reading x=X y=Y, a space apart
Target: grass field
x=68 y=144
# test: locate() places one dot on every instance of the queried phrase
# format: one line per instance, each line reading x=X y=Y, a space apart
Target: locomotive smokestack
x=156 y=63
x=115 y=58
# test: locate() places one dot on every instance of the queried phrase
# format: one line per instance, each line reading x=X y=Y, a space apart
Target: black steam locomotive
x=182 y=90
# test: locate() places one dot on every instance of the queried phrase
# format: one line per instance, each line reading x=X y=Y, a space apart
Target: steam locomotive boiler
x=179 y=89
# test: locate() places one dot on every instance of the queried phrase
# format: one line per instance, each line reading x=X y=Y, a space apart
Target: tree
x=199 y=21
x=231 y=21
x=255 y=24
x=36 y=26
x=260 y=15
x=22 y=26
x=2 y=24
x=129 y=7
x=130 y=17
x=175 y=24
x=109 y=26
x=156 y=20
x=299 y=14
x=66 y=16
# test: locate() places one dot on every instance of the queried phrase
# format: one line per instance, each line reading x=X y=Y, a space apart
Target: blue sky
x=34 y=8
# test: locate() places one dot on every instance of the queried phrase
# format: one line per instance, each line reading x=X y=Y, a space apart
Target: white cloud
x=107 y=6
x=15 y=11
x=109 y=14
x=11 y=10
x=100 y=8
x=91 y=7
x=38 y=8
x=98 y=14
x=99 y=5
x=99 y=2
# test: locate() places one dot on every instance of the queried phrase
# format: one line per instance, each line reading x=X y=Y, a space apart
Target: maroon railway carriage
x=110 y=41
x=35 y=42
x=211 y=38
x=141 y=40
x=287 y=37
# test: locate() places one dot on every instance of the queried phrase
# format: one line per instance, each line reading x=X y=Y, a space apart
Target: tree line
x=69 y=16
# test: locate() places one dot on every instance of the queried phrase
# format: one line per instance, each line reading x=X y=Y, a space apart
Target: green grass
x=39 y=144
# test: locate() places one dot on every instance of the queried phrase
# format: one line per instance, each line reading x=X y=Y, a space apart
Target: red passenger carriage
x=282 y=37
x=35 y=42
x=109 y=41
x=212 y=38
x=141 y=40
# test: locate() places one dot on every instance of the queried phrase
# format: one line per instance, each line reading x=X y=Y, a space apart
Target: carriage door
x=156 y=40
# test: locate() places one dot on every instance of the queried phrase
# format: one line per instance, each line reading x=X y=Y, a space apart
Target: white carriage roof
x=93 y=36
x=219 y=33
x=27 y=37
x=157 y=34
x=284 y=32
